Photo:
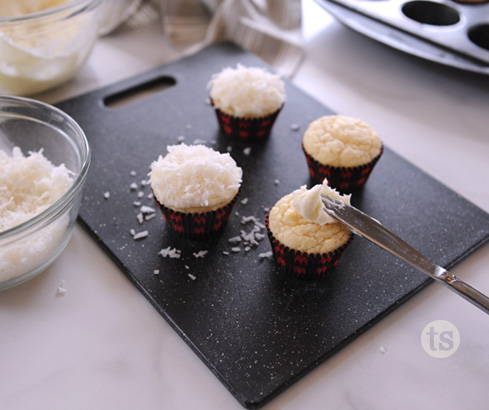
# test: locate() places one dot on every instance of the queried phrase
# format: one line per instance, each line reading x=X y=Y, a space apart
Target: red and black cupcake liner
x=246 y=129
x=344 y=179
x=198 y=225
x=304 y=265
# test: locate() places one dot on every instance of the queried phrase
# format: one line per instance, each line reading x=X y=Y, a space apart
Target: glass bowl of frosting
x=44 y=42
x=44 y=160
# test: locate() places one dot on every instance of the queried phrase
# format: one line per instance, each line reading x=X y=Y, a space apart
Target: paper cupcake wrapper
x=246 y=129
x=344 y=179
x=304 y=265
x=198 y=225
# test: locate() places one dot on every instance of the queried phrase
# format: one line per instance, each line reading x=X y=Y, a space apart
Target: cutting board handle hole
x=138 y=92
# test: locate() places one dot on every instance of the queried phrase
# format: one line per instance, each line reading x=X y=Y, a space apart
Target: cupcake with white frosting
x=342 y=149
x=196 y=188
x=247 y=101
x=306 y=241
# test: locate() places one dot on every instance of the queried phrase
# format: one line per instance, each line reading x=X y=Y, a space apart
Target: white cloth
x=270 y=29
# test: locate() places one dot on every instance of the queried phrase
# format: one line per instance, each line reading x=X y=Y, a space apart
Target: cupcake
x=247 y=100
x=342 y=149
x=306 y=241
x=196 y=188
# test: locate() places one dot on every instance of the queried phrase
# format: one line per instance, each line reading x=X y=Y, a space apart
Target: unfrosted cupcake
x=247 y=100
x=342 y=149
x=306 y=241
x=196 y=188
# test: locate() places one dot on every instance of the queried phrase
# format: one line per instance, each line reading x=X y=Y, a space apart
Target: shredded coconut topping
x=247 y=91
x=28 y=185
x=194 y=176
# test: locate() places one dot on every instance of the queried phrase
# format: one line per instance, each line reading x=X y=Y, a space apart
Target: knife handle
x=463 y=289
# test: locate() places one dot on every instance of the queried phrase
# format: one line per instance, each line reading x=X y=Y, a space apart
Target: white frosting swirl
x=308 y=204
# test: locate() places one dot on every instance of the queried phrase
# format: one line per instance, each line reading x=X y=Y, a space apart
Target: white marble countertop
x=102 y=346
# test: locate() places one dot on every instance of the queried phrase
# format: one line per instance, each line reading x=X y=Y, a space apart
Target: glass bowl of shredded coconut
x=44 y=159
x=44 y=42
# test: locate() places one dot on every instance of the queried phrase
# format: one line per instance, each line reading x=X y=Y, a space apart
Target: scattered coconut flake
x=229 y=148
x=137 y=203
x=149 y=217
x=236 y=249
x=144 y=182
x=140 y=235
x=249 y=237
x=199 y=141
x=247 y=151
x=107 y=195
x=265 y=255
x=382 y=350
x=276 y=182
x=259 y=236
x=181 y=138
x=266 y=209
x=193 y=277
x=187 y=267
x=234 y=239
x=247 y=249
x=200 y=254
x=244 y=201
x=140 y=194
x=147 y=210
x=169 y=252
x=61 y=289
x=133 y=186
x=132 y=232
x=226 y=253
x=139 y=217
x=132 y=173
x=295 y=127
x=236 y=213
x=247 y=219
x=149 y=196
x=156 y=272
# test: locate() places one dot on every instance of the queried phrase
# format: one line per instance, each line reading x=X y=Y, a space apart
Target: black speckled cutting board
x=257 y=332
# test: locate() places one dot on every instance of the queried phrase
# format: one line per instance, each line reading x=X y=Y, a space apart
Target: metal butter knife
x=371 y=229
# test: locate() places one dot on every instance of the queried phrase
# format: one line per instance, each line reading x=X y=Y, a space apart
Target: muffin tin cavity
x=428 y=12
x=479 y=35
x=459 y=26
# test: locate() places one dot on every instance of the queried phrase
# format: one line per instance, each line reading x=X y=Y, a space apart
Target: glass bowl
x=27 y=249
x=44 y=49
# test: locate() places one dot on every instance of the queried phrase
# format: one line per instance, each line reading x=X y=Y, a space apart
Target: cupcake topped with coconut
x=195 y=187
x=247 y=100
x=248 y=92
x=194 y=177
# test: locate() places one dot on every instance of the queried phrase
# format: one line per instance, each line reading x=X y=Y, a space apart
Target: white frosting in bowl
x=308 y=204
x=247 y=91
x=194 y=176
